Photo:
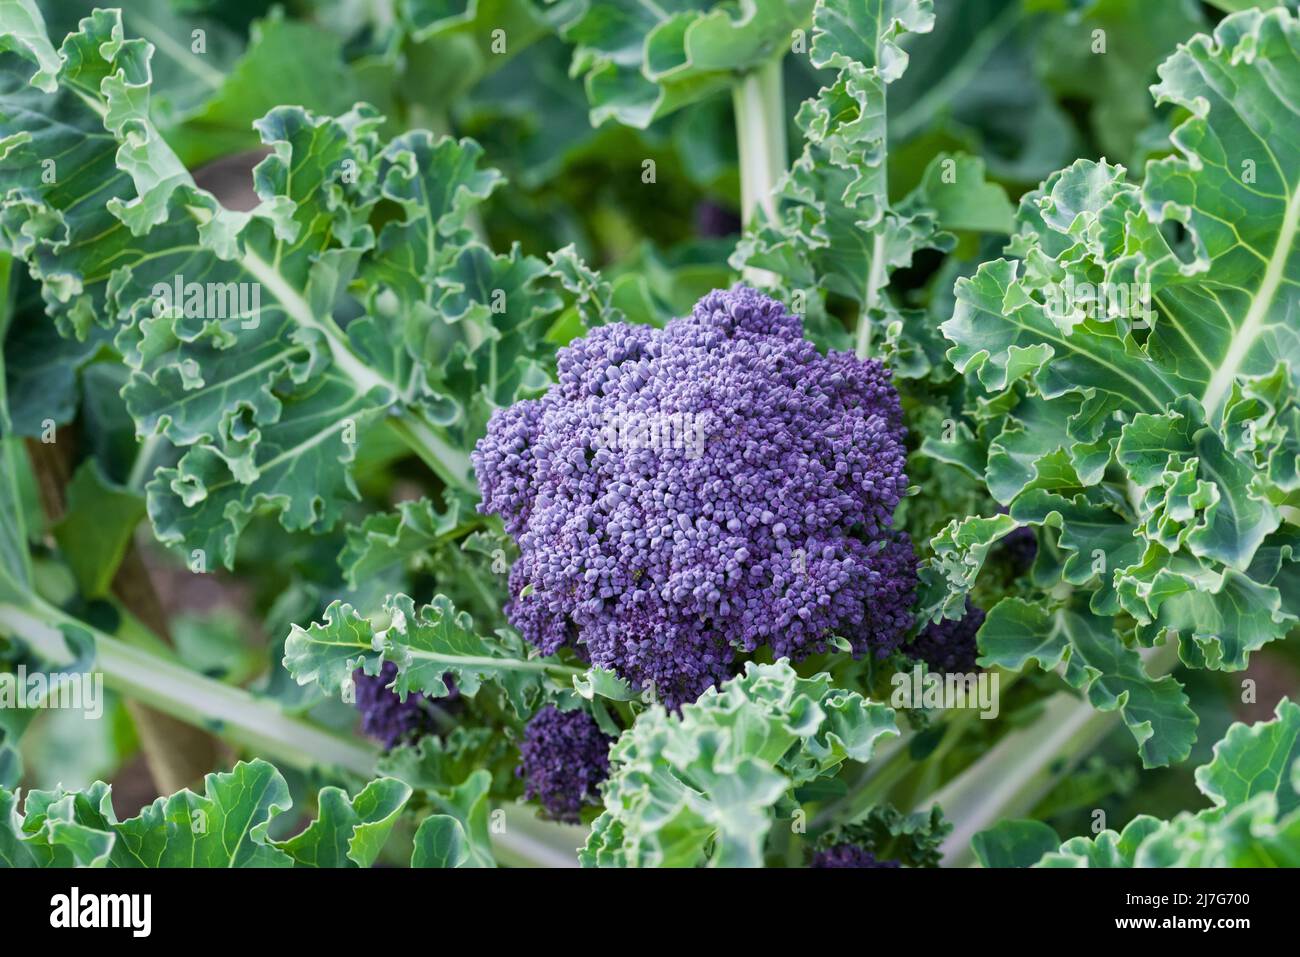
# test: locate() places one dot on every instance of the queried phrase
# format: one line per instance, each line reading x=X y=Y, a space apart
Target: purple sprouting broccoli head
x=848 y=855
x=1020 y=548
x=714 y=486
x=384 y=715
x=565 y=757
x=948 y=645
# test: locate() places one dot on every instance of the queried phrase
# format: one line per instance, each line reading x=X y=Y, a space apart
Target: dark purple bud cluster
x=565 y=757
x=384 y=715
x=1020 y=548
x=948 y=645
x=848 y=855
x=714 y=486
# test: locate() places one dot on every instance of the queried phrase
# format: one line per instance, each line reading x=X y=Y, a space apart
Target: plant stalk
x=758 y=99
x=1021 y=768
x=175 y=690
x=758 y=102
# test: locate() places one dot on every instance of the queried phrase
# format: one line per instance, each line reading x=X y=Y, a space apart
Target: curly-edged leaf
x=834 y=229
x=225 y=826
x=349 y=831
x=867 y=32
x=22 y=31
x=959 y=552
x=1111 y=674
x=327 y=652
x=440 y=763
x=593 y=297
x=911 y=840
x=642 y=60
x=1256 y=759
x=386 y=539
x=59 y=828
x=14 y=851
x=242 y=329
x=1254 y=782
x=703 y=786
x=1142 y=353
x=462 y=327
x=435 y=647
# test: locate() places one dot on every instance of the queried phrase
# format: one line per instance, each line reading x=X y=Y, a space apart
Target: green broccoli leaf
x=432 y=647
x=642 y=60
x=703 y=787
x=226 y=826
x=1254 y=782
x=242 y=330
x=1140 y=357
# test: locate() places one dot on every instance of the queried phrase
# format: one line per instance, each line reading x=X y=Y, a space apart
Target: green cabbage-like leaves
x=411 y=532
x=703 y=787
x=1254 y=784
x=835 y=229
x=429 y=645
x=643 y=60
x=226 y=826
x=1110 y=673
x=1144 y=386
x=306 y=327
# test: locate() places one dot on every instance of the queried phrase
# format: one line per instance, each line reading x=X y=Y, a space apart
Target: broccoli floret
x=564 y=756
x=848 y=855
x=714 y=486
x=385 y=716
x=1020 y=548
x=948 y=645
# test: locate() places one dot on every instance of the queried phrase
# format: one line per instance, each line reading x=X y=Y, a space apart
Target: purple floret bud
x=949 y=645
x=565 y=757
x=685 y=494
x=384 y=715
x=849 y=855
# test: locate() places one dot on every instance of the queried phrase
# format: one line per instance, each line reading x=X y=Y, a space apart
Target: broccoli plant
x=689 y=473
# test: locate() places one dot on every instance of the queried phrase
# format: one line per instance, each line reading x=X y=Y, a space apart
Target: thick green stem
x=759 y=102
x=445 y=461
x=876 y=281
x=1014 y=774
x=176 y=690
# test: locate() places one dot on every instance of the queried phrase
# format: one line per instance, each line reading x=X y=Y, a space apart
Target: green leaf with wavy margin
x=266 y=398
x=1156 y=432
x=1110 y=674
x=642 y=60
x=429 y=645
x=835 y=229
x=225 y=826
x=1253 y=781
x=702 y=787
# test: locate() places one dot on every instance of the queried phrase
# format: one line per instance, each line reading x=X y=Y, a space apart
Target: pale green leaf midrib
x=1255 y=322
